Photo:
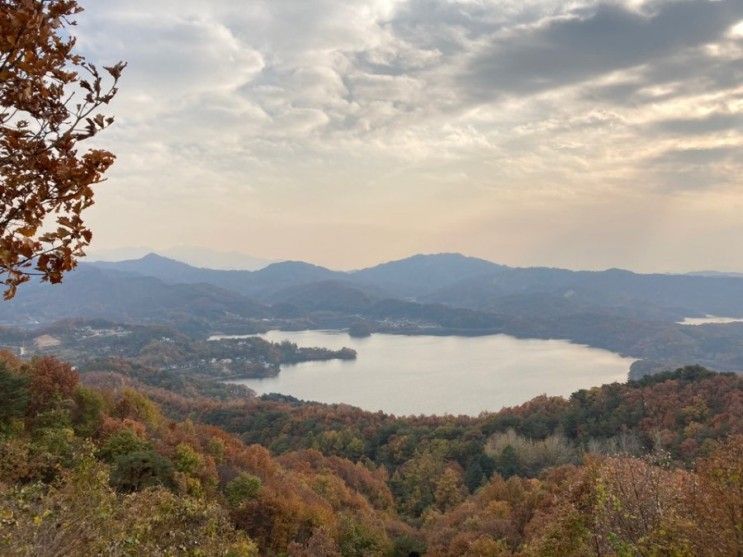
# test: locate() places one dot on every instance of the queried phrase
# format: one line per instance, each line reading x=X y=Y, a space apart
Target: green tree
x=507 y=462
x=243 y=488
x=187 y=460
x=14 y=395
x=87 y=415
x=141 y=469
x=122 y=443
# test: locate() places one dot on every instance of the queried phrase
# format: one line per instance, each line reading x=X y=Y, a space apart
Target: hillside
x=420 y=275
x=326 y=295
x=91 y=292
x=454 y=279
x=679 y=295
x=196 y=256
x=121 y=463
x=258 y=285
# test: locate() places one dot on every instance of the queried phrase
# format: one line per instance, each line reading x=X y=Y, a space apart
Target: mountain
x=92 y=292
x=628 y=313
x=467 y=282
x=715 y=274
x=255 y=284
x=157 y=266
x=408 y=278
x=420 y=275
x=282 y=275
x=327 y=295
x=196 y=256
x=677 y=295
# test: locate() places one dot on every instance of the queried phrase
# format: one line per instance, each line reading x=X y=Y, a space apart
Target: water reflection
x=440 y=375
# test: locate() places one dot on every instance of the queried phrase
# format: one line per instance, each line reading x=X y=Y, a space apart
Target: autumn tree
x=50 y=102
x=50 y=381
x=717 y=501
x=14 y=389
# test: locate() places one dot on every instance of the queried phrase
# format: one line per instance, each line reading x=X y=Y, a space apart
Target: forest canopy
x=114 y=465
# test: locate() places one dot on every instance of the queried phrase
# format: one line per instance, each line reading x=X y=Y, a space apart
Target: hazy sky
x=580 y=134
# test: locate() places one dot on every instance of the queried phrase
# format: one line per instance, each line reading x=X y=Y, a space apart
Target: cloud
x=324 y=112
x=696 y=157
x=594 y=41
x=711 y=124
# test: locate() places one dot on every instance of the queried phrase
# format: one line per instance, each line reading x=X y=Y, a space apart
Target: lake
x=406 y=375
x=710 y=319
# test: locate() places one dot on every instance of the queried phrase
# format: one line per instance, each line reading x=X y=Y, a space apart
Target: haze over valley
x=637 y=316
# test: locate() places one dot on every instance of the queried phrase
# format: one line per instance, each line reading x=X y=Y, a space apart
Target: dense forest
x=104 y=462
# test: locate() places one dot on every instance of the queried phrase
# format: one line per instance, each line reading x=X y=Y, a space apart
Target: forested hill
x=89 y=292
x=255 y=284
x=651 y=467
x=458 y=280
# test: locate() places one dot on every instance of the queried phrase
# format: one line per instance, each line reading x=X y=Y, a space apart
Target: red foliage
x=50 y=380
x=46 y=110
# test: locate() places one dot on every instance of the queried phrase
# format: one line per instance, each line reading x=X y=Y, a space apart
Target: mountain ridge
x=463 y=281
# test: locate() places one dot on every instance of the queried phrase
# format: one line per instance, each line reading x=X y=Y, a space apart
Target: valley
x=441 y=278
x=636 y=316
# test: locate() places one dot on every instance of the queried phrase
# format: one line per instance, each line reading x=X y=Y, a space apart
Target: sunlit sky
x=577 y=134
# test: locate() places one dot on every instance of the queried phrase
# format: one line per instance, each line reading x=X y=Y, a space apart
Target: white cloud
x=319 y=112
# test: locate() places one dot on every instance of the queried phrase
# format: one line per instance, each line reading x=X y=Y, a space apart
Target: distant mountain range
x=716 y=274
x=258 y=284
x=423 y=275
x=90 y=292
x=634 y=314
x=193 y=255
x=468 y=282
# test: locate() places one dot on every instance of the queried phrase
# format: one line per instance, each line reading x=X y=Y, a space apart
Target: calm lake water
x=440 y=374
x=710 y=319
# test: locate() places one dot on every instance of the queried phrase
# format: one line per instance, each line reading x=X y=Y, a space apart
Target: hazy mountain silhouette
x=419 y=275
x=412 y=277
x=195 y=256
x=468 y=282
x=626 y=312
x=92 y=292
x=615 y=288
x=255 y=284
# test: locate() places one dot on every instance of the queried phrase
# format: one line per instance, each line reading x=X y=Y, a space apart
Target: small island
x=292 y=354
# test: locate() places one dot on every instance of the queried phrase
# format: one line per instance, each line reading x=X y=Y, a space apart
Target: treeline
x=123 y=466
x=681 y=412
x=89 y=344
x=88 y=471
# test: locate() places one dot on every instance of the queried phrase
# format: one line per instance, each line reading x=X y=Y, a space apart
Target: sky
x=577 y=134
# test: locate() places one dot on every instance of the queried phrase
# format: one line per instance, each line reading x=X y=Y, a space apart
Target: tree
x=717 y=503
x=50 y=99
x=450 y=489
x=244 y=487
x=142 y=469
x=121 y=443
x=51 y=381
x=14 y=395
x=507 y=463
x=81 y=515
